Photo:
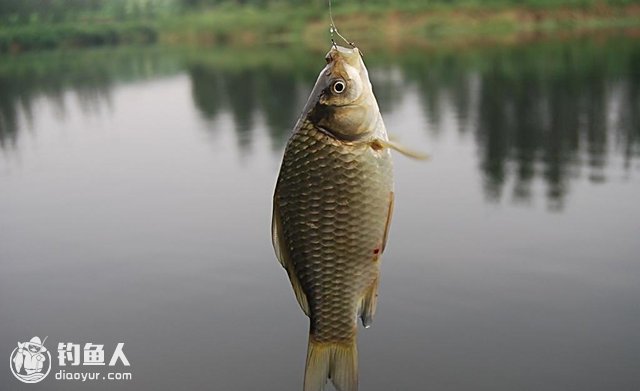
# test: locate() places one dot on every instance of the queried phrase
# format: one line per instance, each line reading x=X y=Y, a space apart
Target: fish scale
x=334 y=199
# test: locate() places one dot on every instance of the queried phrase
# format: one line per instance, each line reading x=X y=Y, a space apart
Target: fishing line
x=334 y=29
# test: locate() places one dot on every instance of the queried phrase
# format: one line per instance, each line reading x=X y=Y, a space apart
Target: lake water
x=135 y=205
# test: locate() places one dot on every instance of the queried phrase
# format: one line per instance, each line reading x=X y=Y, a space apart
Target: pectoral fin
x=379 y=144
x=282 y=253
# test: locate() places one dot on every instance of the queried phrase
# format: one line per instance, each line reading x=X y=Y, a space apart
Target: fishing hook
x=334 y=29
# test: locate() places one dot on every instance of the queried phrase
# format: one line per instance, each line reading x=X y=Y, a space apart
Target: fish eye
x=338 y=87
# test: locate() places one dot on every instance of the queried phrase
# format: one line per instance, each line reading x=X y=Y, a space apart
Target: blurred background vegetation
x=545 y=87
x=43 y=24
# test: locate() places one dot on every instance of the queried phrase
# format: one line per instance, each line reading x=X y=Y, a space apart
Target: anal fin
x=368 y=304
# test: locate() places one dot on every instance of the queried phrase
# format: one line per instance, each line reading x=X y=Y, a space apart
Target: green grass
x=412 y=21
x=31 y=37
x=378 y=23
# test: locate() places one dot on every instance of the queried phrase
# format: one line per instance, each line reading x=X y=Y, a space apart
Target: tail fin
x=336 y=361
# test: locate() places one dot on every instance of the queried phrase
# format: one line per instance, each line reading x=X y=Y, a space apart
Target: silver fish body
x=332 y=208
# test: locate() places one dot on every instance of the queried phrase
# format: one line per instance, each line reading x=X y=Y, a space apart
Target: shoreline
x=370 y=26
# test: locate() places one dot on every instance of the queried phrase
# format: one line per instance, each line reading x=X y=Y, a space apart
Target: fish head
x=342 y=101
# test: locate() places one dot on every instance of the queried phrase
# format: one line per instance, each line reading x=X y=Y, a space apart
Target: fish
x=18 y=360
x=332 y=209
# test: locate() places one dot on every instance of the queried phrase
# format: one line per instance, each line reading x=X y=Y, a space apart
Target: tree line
x=52 y=11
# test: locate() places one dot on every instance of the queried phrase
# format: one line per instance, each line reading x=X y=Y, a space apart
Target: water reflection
x=273 y=92
x=547 y=112
x=544 y=111
x=90 y=75
x=8 y=113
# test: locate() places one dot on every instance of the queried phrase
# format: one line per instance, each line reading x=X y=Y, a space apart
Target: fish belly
x=334 y=201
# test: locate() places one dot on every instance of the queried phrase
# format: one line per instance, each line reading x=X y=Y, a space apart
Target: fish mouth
x=350 y=55
x=340 y=57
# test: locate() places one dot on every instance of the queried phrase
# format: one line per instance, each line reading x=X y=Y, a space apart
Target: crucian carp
x=331 y=213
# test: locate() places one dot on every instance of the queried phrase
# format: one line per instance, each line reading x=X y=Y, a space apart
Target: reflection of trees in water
x=555 y=119
x=276 y=93
x=388 y=85
x=242 y=103
x=243 y=93
x=8 y=113
x=541 y=111
x=90 y=75
x=628 y=113
x=442 y=82
x=537 y=112
x=17 y=97
x=544 y=111
x=279 y=96
x=207 y=91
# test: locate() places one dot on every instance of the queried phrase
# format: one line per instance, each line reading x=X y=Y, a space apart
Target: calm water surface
x=135 y=201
